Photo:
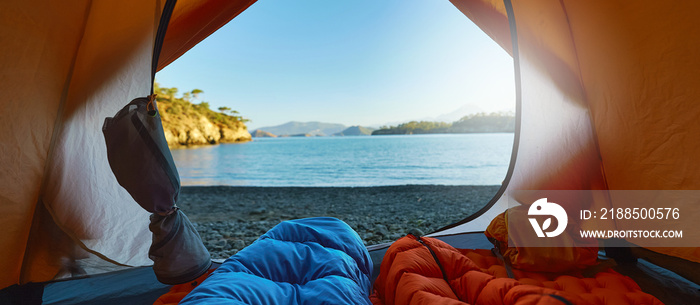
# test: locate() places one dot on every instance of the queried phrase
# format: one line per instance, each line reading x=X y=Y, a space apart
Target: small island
x=188 y=124
x=474 y=123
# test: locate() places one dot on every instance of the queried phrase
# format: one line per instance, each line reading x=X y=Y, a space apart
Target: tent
x=606 y=100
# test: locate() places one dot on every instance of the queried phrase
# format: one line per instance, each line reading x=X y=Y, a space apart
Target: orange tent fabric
x=608 y=101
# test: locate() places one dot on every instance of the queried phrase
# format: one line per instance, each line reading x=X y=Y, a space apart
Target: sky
x=359 y=62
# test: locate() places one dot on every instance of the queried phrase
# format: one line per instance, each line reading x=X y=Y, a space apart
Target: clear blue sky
x=359 y=62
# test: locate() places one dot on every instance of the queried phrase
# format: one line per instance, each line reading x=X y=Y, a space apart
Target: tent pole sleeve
x=160 y=37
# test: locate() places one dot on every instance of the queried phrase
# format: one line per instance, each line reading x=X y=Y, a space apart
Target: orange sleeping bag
x=429 y=271
x=178 y=292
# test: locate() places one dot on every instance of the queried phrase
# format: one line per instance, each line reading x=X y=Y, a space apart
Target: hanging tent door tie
x=142 y=163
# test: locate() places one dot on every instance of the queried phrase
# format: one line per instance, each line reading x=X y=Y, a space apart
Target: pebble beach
x=229 y=218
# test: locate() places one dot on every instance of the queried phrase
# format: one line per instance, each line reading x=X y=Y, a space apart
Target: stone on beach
x=229 y=218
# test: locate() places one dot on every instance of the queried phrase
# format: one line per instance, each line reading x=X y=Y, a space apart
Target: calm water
x=453 y=159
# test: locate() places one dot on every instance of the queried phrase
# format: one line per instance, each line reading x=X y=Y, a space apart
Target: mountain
x=451 y=116
x=262 y=134
x=300 y=135
x=311 y=128
x=459 y=113
x=355 y=131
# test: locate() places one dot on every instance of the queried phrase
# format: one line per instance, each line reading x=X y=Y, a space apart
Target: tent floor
x=131 y=286
x=665 y=285
x=139 y=285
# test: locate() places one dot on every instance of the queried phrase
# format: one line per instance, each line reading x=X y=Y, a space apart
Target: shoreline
x=229 y=218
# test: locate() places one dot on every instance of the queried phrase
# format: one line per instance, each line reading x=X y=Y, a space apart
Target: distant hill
x=299 y=135
x=475 y=123
x=458 y=113
x=355 y=131
x=311 y=128
x=455 y=115
x=262 y=134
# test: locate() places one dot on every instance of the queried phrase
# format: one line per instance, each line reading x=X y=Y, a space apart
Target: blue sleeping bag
x=307 y=261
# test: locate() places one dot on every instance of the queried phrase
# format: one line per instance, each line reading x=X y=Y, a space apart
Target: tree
x=203 y=105
x=183 y=106
x=171 y=92
x=228 y=111
x=196 y=93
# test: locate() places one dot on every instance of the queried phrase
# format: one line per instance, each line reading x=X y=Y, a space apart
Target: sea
x=350 y=161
